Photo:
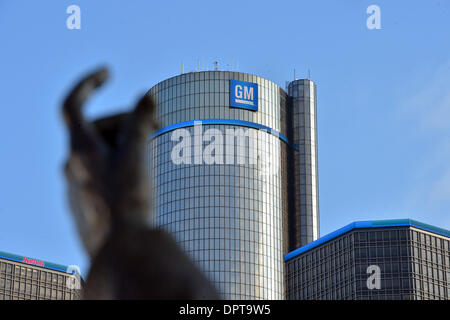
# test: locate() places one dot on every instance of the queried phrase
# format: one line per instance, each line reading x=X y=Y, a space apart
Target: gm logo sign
x=244 y=95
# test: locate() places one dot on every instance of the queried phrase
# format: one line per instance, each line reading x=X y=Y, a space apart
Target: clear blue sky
x=383 y=97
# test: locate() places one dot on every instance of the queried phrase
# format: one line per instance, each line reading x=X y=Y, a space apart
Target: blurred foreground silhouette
x=109 y=194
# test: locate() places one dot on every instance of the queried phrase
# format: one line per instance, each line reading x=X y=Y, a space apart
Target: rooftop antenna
x=198 y=65
x=309 y=75
x=216 y=66
x=182 y=67
x=294 y=75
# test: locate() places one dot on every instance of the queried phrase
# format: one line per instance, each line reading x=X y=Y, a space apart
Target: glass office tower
x=23 y=278
x=224 y=177
x=399 y=259
x=306 y=182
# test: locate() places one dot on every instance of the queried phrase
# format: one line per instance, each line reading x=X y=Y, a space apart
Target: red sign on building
x=32 y=261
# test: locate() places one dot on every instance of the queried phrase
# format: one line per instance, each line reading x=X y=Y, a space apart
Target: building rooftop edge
x=363 y=225
x=33 y=262
x=204 y=71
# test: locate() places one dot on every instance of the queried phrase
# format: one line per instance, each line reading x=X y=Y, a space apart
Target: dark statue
x=109 y=196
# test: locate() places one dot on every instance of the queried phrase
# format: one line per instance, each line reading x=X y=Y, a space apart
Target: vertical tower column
x=305 y=217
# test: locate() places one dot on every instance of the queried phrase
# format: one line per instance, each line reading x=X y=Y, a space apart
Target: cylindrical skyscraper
x=305 y=222
x=234 y=176
x=219 y=176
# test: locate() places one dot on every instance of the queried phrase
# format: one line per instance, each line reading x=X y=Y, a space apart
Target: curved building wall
x=205 y=95
x=304 y=223
x=231 y=217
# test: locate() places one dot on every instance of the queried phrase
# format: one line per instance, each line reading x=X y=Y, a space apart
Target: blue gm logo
x=244 y=95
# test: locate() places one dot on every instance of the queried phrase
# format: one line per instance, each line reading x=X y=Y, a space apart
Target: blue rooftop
x=33 y=262
x=364 y=225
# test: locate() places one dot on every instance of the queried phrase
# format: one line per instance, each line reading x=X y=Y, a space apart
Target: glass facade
x=205 y=95
x=20 y=281
x=305 y=202
x=413 y=265
x=231 y=215
x=228 y=217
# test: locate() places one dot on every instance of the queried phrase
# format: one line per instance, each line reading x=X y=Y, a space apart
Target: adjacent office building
x=24 y=278
x=234 y=175
x=386 y=259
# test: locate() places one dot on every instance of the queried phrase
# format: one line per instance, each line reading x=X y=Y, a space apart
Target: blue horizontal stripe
x=242 y=123
x=19 y=259
x=367 y=224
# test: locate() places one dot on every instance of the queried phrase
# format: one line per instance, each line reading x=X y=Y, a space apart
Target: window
x=394 y=235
